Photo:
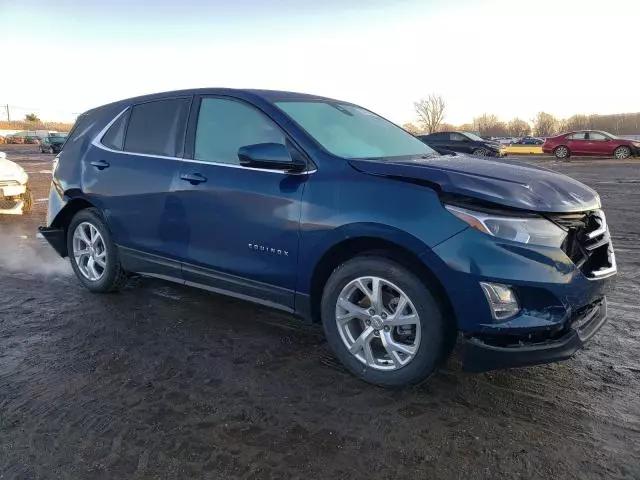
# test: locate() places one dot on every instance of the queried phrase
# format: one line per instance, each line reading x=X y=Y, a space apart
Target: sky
x=512 y=58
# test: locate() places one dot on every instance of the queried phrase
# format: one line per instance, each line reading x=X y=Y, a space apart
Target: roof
x=268 y=95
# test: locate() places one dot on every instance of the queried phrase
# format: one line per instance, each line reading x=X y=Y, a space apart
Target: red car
x=591 y=142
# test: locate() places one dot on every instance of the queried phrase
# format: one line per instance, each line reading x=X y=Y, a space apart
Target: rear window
x=158 y=128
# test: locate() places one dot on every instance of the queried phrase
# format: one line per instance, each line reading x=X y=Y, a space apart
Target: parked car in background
x=591 y=142
x=324 y=209
x=15 y=194
x=529 y=141
x=52 y=144
x=463 y=142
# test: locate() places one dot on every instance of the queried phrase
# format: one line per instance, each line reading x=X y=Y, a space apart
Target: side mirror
x=269 y=156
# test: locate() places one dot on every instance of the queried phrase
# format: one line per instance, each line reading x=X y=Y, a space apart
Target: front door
x=243 y=222
x=599 y=144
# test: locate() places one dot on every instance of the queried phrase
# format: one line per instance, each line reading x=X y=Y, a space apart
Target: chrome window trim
x=97 y=142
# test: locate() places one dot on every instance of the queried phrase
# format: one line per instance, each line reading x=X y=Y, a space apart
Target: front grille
x=588 y=242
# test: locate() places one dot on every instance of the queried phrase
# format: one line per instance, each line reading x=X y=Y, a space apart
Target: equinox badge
x=274 y=251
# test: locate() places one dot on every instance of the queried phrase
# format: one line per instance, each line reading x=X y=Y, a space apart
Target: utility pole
x=8 y=114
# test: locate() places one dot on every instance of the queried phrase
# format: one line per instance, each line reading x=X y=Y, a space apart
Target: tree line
x=430 y=118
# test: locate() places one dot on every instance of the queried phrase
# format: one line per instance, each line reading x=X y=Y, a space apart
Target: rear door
x=130 y=175
x=578 y=143
x=243 y=222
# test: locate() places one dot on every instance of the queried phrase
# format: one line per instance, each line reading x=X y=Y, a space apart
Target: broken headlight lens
x=533 y=230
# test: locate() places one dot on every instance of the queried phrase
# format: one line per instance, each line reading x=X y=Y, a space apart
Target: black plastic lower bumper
x=480 y=356
x=56 y=238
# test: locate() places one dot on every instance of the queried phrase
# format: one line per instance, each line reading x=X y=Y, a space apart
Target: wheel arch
x=64 y=216
x=366 y=245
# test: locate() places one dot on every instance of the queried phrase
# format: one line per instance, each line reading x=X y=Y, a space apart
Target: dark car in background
x=52 y=144
x=591 y=142
x=463 y=142
x=529 y=141
x=324 y=209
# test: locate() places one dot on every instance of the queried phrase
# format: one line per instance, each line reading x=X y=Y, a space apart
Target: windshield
x=353 y=132
x=473 y=136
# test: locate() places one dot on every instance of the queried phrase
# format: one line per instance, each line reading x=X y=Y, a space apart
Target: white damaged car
x=15 y=194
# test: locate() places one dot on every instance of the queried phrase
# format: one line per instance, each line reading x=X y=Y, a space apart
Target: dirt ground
x=161 y=381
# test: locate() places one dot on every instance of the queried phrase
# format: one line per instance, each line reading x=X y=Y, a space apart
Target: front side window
x=158 y=128
x=473 y=136
x=597 y=136
x=458 y=137
x=349 y=131
x=226 y=125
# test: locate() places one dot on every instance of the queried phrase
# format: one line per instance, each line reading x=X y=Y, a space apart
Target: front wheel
x=93 y=255
x=622 y=153
x=382 y=322
x=481 y=152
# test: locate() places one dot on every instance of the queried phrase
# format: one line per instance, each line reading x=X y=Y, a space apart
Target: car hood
x=11 y=171
x=511 y=184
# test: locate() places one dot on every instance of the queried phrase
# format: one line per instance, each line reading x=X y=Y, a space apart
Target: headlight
x=533 y=230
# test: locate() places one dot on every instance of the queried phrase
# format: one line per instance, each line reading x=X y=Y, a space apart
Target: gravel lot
x=161 y=381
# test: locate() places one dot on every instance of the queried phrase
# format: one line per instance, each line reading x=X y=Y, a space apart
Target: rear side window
x=114 y=138
x=577 y=136
x=158 y=128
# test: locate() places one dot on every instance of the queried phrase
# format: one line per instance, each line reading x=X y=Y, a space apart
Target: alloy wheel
x=378 y=323
x=89 y=251
x=562 y=152
x=622 y=152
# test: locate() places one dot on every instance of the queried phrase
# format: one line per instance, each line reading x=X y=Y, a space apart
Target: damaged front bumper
x=12 y=201
x=495 y=352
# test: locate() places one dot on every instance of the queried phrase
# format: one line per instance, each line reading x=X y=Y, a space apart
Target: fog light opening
x=503 y=302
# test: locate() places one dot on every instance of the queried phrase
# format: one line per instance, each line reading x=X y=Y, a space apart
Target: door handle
x=193 y=178
x=100 y=164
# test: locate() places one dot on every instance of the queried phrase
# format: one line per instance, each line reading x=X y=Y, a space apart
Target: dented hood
x=511 y=184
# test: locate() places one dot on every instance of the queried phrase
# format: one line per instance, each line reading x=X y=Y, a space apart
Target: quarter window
x=226 y=125
x=114 y=138
x=157 y=128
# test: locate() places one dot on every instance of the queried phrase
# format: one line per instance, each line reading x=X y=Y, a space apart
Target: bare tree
x=412 y=128
x=518 y=128
x=545 y=124
x=489 y=125
x=430 y=112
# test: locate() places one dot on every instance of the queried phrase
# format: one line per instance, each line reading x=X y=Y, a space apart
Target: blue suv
x=324 y=209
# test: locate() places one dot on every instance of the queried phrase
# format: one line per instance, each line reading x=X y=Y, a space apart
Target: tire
x=562 y=152
x=622 y=153
x=50 y=150
x=481 y=152
x=111 y=277
x=426 y=338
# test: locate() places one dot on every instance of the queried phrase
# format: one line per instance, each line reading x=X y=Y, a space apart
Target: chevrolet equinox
x=324 y=209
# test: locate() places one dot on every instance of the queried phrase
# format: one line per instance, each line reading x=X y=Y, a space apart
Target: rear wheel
x=622 y=152
x=561 y=152
x=382 y=322
x=93 y=255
